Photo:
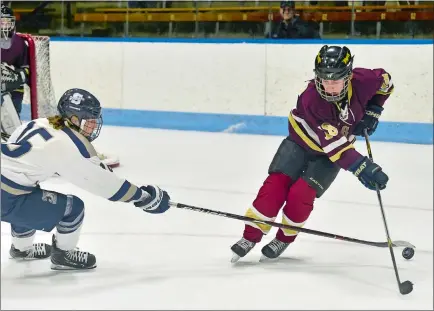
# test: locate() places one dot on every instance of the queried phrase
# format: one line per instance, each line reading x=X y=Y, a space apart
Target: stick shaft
x=283 y=226
x=383 y=214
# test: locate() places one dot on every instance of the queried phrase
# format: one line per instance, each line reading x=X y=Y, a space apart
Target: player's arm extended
x=82 y=172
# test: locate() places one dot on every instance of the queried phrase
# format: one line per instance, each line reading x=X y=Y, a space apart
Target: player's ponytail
x=57 y=122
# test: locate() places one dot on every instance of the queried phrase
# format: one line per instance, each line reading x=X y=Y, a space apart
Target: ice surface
x=181 y=259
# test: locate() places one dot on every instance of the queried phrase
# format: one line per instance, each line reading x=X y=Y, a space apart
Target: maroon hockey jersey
x=326 y=128
x=17 y=54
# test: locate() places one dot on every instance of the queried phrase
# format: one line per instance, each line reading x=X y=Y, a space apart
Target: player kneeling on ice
x=61 y=145
x=339 y=103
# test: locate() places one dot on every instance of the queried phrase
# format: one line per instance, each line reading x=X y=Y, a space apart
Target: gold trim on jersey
x=338 y=154
x=302 y=135
x=89 y=147
x=350 y=95
x=384 y=93
x=12 y=190
x=132 y=190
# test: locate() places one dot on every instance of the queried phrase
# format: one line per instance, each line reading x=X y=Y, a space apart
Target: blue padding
x=400 y=132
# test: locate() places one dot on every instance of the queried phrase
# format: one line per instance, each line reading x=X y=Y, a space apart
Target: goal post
x=40 y=94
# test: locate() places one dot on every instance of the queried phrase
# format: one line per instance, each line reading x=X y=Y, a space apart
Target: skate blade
x=235 y=258
x=66 y=268
x=27 y=259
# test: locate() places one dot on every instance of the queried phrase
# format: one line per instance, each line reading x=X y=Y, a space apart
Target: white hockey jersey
x=36 y=151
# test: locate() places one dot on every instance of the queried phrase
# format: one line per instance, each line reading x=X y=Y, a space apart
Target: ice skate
x=241 y=248
x=71 y=259
x=37 y=251
x=273 y=249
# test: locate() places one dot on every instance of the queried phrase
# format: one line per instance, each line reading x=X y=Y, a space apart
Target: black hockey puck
x=406 y=287
x=408 y=253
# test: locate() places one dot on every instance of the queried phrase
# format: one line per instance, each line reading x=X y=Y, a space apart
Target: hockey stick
x=283 y=226
x=405 y=287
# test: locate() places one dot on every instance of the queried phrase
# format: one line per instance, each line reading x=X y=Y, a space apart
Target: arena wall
x=233 y=85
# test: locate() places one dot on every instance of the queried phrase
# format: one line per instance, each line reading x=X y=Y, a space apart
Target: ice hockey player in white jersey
x=61 y=146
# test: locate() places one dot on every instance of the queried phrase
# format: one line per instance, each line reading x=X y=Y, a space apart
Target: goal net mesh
x=40 y=93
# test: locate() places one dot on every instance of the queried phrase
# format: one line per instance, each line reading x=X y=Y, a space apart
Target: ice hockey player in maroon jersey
x=337 y=105
x=14 y=70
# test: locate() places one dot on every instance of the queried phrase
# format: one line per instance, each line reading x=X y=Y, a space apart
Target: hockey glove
x=11 y=78
x=369 y=120
x=156 y=203
x=369 y=174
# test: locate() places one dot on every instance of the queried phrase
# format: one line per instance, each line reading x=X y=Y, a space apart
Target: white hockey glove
x=156 y=202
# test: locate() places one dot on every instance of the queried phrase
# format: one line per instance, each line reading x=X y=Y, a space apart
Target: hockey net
x=40 y=93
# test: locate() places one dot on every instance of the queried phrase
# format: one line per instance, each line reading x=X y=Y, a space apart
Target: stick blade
x=402 y=244
x=406 y=287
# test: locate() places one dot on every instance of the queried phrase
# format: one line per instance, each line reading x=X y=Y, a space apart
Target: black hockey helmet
x=82 y=110
x=7 y=22
x=333 y=63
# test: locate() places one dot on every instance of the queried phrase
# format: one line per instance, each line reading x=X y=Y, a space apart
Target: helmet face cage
x=90 y=132
x=330 y=97
x=7 y=23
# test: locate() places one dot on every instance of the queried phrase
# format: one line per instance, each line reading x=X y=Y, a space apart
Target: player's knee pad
x=74 y=215
x=320 y=174
x=290 y=159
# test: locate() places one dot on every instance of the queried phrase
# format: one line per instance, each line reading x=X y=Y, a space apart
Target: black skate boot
x=71 y=259
x=38 y=251
x=273 y=249
x=241 y=248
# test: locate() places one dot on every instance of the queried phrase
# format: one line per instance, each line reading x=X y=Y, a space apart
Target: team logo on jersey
x=330 y=130
x=50 y=197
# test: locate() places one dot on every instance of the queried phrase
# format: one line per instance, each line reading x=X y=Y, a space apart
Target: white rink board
x=249 y=79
